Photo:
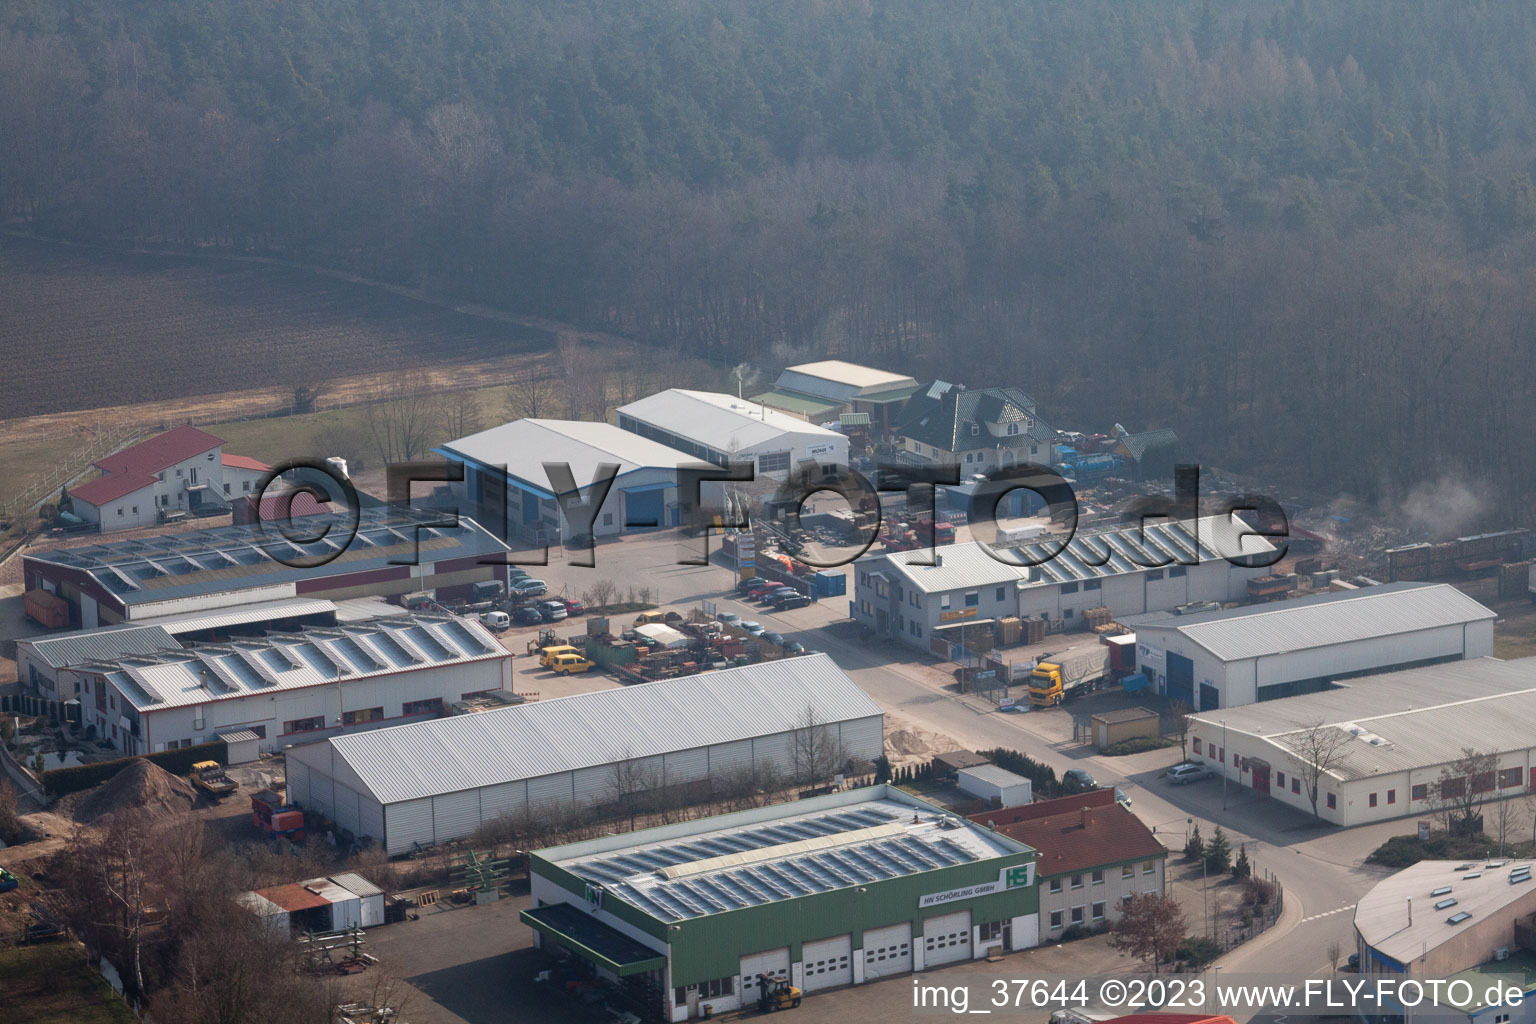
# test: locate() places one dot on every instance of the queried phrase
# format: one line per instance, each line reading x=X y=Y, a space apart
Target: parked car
x=729 y=618
x=514 y=573
x=777 y=639
x=553 y=611
x=761 y=591
x=569 y=664
x=794 y=647
x=528 y=587
x=1075 y=780
x=1187 y=772
x=749 y=583
x=752 y=628
x=495 y=621
x=527 y=616
x=788 y=598
x=573 y=606
x=1122 y=799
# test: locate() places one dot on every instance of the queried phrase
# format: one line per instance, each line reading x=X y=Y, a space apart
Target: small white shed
x=372 y=896
x=244 y=746
x=346 y=906
x=997 y=786
x=274 y=917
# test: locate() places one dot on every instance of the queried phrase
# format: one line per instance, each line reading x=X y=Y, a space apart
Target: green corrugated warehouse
x=835 y=890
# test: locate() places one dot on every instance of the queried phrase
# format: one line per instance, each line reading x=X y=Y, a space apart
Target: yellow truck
x=1069 y=673
x=210 y=776
x=567 y=664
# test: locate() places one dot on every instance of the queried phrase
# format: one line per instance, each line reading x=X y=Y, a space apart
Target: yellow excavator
x=776 y=994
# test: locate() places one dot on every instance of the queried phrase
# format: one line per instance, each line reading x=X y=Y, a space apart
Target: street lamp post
x=1205 y=894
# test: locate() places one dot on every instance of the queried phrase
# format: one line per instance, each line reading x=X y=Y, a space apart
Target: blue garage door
x=1181 y=679
x=642 y=509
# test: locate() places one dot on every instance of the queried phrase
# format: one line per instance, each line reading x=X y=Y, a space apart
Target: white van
x=496 y=621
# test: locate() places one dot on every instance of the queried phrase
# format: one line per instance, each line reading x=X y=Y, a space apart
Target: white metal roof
x=523 y=446
x=1479 y=889
x=1398 y=721
x=1323 y=619
x=448 y=755
x=994 y=776
x=844 y=382
x=318 y=655
x=663 y=634
x=357 y=884
x=1091 y=554
x=93 y=644
x=721 y=421
x=241 y=615
x=808 y=849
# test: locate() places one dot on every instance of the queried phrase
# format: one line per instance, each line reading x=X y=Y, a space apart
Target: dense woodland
x=1300 y=232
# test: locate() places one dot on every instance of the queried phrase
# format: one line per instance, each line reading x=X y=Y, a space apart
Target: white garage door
x=827 y=962
x=888 y=951
x=947 y=938
x=774 y=963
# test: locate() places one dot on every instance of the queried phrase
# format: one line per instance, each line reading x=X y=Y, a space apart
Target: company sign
x=958 y=614
x=1018 y=876
x=1151 y=657
x=821 y=449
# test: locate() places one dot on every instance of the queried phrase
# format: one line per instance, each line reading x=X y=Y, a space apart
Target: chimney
x=1087 y=814
x=938 y=560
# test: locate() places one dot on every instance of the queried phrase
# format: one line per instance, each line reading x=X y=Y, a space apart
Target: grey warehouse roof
x=524 y=446
x=795 y=854
x=1400 y=721
x=284 y=661
x=1091 y=554
x=1479 y=889
x=720 y=420
x=1322 y=619
x=449 y=755
x=993 y=775
x=95 y=644
x=231 y=558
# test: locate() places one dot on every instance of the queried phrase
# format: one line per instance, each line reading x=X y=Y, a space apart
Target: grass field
x=54 y=984
x=86 y=328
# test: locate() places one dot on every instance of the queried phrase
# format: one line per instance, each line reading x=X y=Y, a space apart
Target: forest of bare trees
x=1299 y=233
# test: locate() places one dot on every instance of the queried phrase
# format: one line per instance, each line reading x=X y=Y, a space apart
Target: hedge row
x=63 y=781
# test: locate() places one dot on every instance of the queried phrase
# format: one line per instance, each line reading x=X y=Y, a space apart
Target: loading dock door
x=643 y=509
x=1210 y=698
x=828 y=963
x=888 y=951
x=774 y=963
x=947 y=938
x=1181 y=679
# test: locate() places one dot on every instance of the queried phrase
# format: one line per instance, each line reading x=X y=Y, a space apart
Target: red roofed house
x=180 y=470
x=242 y=476
x=1094 y=856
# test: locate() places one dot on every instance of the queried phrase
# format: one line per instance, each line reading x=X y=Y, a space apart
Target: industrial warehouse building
x=1460 y=921
x=505 y=479
x=433 y=782
x=290 y=687
x=1393 y=735
x=1103 y=568
x=825 y=391
x=394 y=551
x=720 y=428
x=835 y=890
x=1239 y=656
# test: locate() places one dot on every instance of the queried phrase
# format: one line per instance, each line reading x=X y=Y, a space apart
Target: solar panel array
x=126 y=566
x=629 y=875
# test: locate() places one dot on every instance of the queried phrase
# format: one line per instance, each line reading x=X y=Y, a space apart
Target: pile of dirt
x=142 y=785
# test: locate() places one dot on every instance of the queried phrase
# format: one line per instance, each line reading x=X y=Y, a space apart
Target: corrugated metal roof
x=857 y=379
x=233 y=559
x=241 y=615
x=1397 y=721
x=724 y=422
x=357 y=884
x=1323 y=619
x=206 y=673
x=96 y=644
x=448 y=755
x=524 y=446
x=243 y=736
x=1090 y=555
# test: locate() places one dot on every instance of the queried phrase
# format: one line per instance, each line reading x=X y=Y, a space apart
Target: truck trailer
x=1066 y=674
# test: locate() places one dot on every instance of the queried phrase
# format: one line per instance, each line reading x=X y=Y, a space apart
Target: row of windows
x=1096 y=877
x=716 y=989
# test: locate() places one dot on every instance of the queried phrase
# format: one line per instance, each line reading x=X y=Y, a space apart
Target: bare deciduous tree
x=530 y=396
x=1320 y=748
x=1463 y=785
x=1180 y=711
x=816 y=752
x=401 y=418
